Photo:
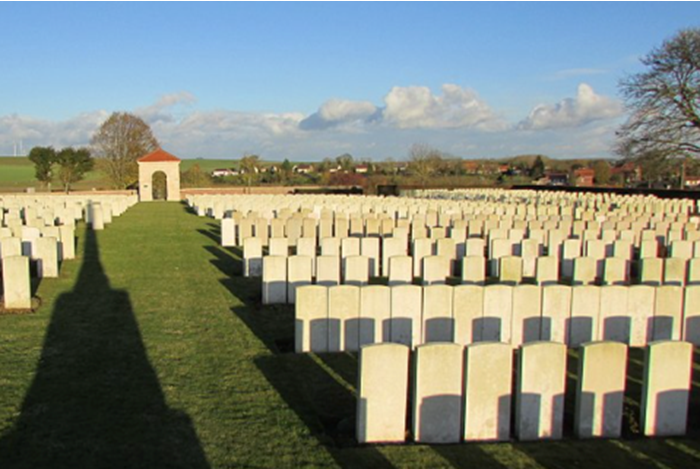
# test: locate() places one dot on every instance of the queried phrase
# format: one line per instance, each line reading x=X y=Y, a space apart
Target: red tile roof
x=158 y=156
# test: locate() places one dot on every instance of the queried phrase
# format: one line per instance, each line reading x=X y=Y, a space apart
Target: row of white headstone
x=465 y=393
x=346 y=317
x=479 y=201
x=42 y=230
x=237 y=227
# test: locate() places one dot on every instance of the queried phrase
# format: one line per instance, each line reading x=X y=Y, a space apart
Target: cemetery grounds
x=151 y=350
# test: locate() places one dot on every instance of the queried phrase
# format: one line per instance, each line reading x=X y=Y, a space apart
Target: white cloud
x=455 y=120
x=411 y=107
x=76 y=131
x=417 y=107
x=339 y=112
x=586 y=107
x=162 y=110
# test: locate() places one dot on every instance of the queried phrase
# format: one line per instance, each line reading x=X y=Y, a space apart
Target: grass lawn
x=150 y=351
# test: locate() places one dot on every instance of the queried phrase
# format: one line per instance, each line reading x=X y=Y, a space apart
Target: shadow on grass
x=314 y=387
x=95 y=400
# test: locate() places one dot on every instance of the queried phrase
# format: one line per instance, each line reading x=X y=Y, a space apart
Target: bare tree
x=424 y=162
x=118 y=143
x=664 y=101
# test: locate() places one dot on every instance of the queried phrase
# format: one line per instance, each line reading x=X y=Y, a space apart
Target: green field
x=17 y=173
x=151 y=351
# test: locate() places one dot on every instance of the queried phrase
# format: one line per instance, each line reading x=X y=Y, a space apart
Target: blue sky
x=311 y=80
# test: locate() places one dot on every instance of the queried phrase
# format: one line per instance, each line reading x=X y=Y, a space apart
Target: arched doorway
x=159 y=176
x=159 y=184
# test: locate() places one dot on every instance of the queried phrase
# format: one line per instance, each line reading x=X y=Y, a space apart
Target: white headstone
x=47 y=257
x=382 y=393
x=311 y=319
x=511 y=270
x=666 y=388
x=691 y=314
x=375 y=314
x=651 y=271
x=539 y=409
x=343 y=318
x=640 y=311
x=527 y=314
x=474 y=270
x=422 y=248
x=436 y=269
x=668 y=313
x=467 y=311
x=437 y=393
x=583 y=325
x=299 y=273
x=615 y=323
x=615 y=271
x=406 y=314
x=674 y=271
x=274 y=280
x=488 y=371
x=369 y=247
x=556 y=313
x=228 y=232
x=600 y=390
x=67 y=239
x=16 y=282
x=252 y=257
x=498 y=310
x=279 y=247
x=328 y=270
x=400 y=270
x=356 y=270
x=584 y=270
x=438 y=323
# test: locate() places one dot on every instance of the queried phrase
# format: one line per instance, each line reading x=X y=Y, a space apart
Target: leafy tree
x=249 y=168
x=72 y=165
x=118 y=143
x=664 y=101
x=286 y=170
x=602 y=172
x=537 y=169
x=43 y=159
x=346 y=162
x=195 y=177
x=424 y=162
x=326 y=165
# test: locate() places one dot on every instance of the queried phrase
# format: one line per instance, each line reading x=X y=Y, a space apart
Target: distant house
x=628 y=172
x=362 y=168
x=303 y=168
x=471 y=167
x=554 y=179
x=692 y=182
x=583 y=177
x=223 y=172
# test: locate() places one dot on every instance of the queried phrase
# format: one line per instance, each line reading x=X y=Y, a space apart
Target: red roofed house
x=583 y=177
x=159 y=161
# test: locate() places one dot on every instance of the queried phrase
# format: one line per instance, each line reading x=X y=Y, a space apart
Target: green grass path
x=151 y=352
